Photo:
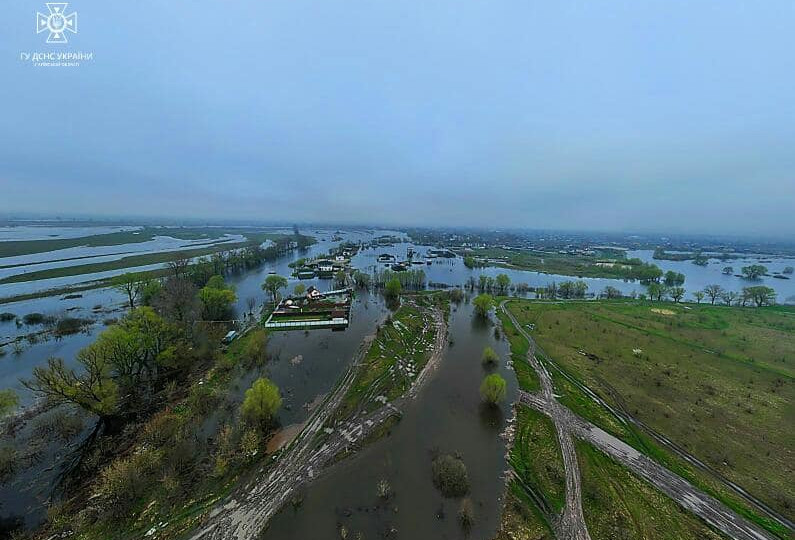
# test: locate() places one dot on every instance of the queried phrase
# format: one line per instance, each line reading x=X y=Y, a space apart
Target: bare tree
x=179 y=266
x=251 y=301
x=713 y=291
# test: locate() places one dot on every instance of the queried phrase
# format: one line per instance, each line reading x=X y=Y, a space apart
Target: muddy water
x=446 y=416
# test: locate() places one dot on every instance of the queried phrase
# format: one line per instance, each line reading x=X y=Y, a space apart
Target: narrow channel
x=447 y=416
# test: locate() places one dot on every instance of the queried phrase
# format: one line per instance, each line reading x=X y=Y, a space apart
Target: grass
x=521 y=519
x=559 y=263
x=715 y=380
x=525 y=374
x=396 y=356
x=535 y=458
x=618 y=505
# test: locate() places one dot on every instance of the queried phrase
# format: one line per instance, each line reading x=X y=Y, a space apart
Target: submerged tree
x=493 y=389
x=261 y=403
x=490 y=357
x=450 y=475
x=393 y=288
x=503 y=282
x=754 y=271
x=483 y=304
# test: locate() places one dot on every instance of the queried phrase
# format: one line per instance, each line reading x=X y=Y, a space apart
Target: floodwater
x=447 y=416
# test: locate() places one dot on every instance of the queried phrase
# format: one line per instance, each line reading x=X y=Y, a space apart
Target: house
x=339 y=258
x=229 y=337
x=386 y=257
x=312 y=293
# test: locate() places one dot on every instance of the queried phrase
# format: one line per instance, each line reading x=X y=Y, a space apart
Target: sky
x=671 y=116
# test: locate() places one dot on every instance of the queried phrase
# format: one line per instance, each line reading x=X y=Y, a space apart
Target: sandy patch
x=663 y=311
x=283 y=437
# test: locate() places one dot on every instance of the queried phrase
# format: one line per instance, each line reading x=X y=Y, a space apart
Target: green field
x=715 y=380
x=608 y=264
x=620 y=506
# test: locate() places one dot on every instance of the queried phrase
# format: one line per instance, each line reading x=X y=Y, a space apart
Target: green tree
x=130 y=284
x=393 y=288
x=677 y=293
x=483 y=304
x=754 y=271
x=493 y=389
x=299 y=289
x=339 y=279
x=503 y=282
x=490 y=357
x=728 y=270
x=216 y=298
x=699 y=296
x=92 y=389
x=272 y=284
x=655 y=291
x=673 y=278
x=760 y=295
x=261 y=403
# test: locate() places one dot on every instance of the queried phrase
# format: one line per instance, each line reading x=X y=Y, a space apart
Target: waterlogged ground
x=446 y=416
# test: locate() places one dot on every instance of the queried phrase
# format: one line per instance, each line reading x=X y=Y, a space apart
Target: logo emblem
x=56 y=22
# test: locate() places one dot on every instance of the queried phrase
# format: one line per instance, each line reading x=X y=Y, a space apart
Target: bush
x=7 y=317
x=8 y=462
x=490 y=357
x=34 y=318
x=70 y=325
x=255 y=351
x=450 y=476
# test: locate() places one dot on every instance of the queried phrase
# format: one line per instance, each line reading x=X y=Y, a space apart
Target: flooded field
x=447 y=416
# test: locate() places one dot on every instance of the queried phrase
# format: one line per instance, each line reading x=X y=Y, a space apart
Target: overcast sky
x=632 y=115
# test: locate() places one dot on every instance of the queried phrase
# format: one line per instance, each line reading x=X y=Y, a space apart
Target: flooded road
x=447 y=416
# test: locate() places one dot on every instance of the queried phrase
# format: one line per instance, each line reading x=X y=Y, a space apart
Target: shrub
x=33 y=318
x=255 y=351
x=466 y=515
x=490 y=357
x=8 y=462
x=7 y=317
x=450 y=476
x=70 y=325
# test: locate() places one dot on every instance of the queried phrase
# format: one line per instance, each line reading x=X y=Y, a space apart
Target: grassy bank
x=619 y=505
x=715 y=380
